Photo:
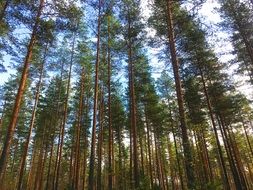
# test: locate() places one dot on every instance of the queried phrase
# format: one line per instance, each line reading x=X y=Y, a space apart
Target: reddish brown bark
x=19 y=96
x=149 y=151
x=79 y=124
x=100 y=141
x=175 y=65
x=22 y=163
x=221 y=158
x=132 y=105
x=110 y=142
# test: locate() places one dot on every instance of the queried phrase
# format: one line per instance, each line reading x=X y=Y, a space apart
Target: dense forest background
x=104 y=94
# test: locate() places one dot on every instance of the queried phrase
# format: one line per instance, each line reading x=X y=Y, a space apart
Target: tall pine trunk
x=79 y=124
x=60 y=119
x=100 y=141
x=110 y=141
x=132 y=106
x=186 y=145
x=25 y=152
x=221 y=157
x=149 y=151
x=65 y=115
x=91 y=184
x=50 y=164
x=19 y=96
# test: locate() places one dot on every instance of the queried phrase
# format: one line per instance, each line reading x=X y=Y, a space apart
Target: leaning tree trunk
x=175 y=65
x=19 y=96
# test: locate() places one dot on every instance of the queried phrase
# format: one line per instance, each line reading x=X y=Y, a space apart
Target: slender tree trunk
x=175 y=65
x=131 y=157
x=149 y=151
x=171 y=164
x=227 y=145
x=79 y=123
x=39 y=168
x=133 y=106
x=237 y=157
x=65 y=115
x=206 y=154
x=222 y=161
x=157 y=163
x=19 y=96
x=32 y=168
x=100 y=141
x=84 y=169
x=180 y=172
x=71 y=167
x=110 y=142
x=161 y=166
x=41 y=180
x=91 y=185
x=50 y=164
x=85 y=146
x=60 y=120
x=120 y=161
x=25 y=152
x=247 y=137
x=142 y=156
x=199 y=163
